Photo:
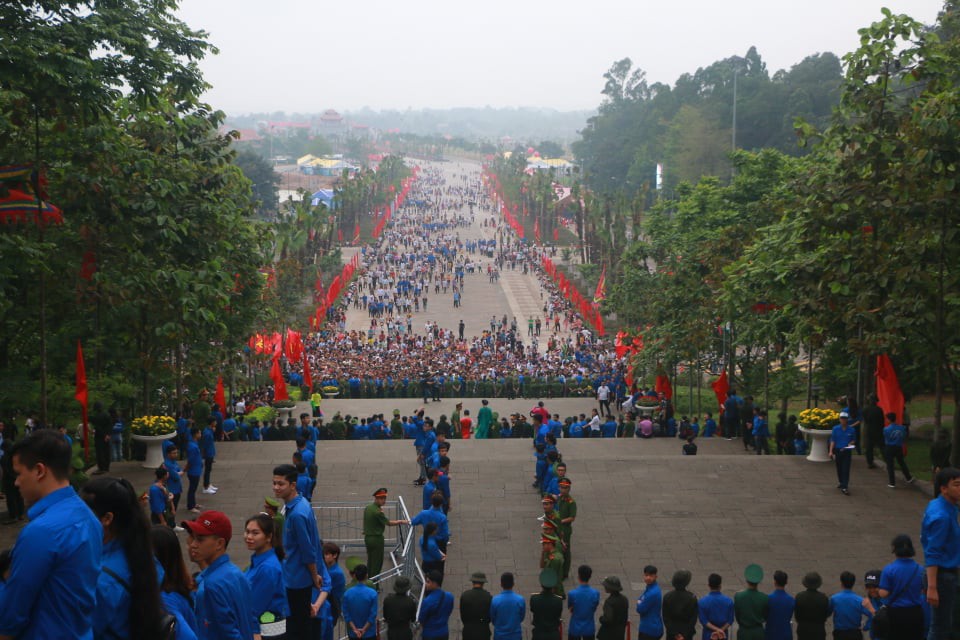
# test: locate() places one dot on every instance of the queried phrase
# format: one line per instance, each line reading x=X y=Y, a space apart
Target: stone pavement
x=640 y=502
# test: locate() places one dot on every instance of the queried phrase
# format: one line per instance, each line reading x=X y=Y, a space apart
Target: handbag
x=880 y=624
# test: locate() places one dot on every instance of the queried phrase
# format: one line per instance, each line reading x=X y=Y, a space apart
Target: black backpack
x=168 y=623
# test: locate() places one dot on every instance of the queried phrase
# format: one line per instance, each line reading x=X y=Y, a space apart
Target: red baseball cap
x=210 y=523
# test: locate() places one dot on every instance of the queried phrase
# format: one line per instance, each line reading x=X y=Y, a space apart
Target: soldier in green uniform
x=567 y=510
x=553 y=559
x=750 y=606
x=613 y=622
x=338 y=428
x=475 y=609
x=375 y=521
x=547 y=608
x=351 y=563
x=400 y=611
x=272 y=507
x=550 y=523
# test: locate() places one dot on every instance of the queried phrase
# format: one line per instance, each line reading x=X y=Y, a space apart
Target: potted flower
x=818 y=423
x=153 y=431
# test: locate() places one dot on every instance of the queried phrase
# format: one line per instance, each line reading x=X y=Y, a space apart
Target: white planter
x=819 y=444
x=154 y=448
x=331 y=394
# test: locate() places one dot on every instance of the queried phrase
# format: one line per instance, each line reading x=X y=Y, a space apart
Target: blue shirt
x=308 y=456
x=305 y=485
x=582 y=602
x=111 y=618
x=194 y=460
x=427 y=516
x=716 y=609
x=207 y=446
x=903 y=578
x=435 y=610
x=224 y=604
x=780 y=605
x=648 y=606
x=608 y=429
x=940 y=534
x=709 y=428
x=265 y=576
x=841 y=438
x=174 y=482
x=848 y=610
x=181 y=608
x=51 y=591
x=360 y=608
x=430 y=552
x=428 y=490
x=158 y=499
x=301 y=544
x=338 y=582
x=507 y=610
x=894 y=434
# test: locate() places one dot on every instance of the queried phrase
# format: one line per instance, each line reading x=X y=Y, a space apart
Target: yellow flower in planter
x=153 y=426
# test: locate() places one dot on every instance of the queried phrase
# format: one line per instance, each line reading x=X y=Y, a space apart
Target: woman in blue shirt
x=176 y=585
x=265 y=574
x=901 y=587
x=127 y=563
x=431 y=556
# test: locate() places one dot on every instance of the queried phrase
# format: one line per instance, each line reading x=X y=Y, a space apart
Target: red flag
x=601 y=293
x=356 y=232
x=82 y=397
x=219 y=397
x=720 y=388
x=536 y=229
x=662 y=385
x=294 y=346
x=340 y=235
x=307 y=378
x=279 y=385
x=556 y=234
x=618 y=344
x=888 y=387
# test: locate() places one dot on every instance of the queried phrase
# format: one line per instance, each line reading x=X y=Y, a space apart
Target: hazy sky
x=310 y=55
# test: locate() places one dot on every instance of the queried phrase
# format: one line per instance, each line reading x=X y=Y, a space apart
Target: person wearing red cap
x=223 y=602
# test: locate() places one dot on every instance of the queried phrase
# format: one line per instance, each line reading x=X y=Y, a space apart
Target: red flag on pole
x=601 y=293
x=888 y=388
x=219 y=397
x=536 y=229
x=556 y=234
x=307 y=378
x=356 y=233
x=279 y=385
x=82 y=397
x=720 y=388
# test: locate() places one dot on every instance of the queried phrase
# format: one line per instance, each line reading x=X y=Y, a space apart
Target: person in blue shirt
x=540 y=468
x=360 y=607
x=582 y=601
x=265 y=573
x=174 y=475
x=194 y=469
x=507 y=610
x=301 y=546
x=841 y=451
x=901 y=588
x=176 y=586
x=576 y=429
x=223 y=602
x=799 y=444
x=432 y=486
x=848 y=610
x=116 y=442
x=431 y=556
x=330 y=610
x=51 y=588
x=872 y=602
x=609 y=428
x=709 y=426
x=435 y=514
x=435 y=608
x=716 y=609
x=443 y=482
x=304 y=482
x=761 y=432
x=780 y=605
x=894 y=437
x=158 y=496
x=128 y=591
x=229 y=428
x=648 y=606
x=209 y=450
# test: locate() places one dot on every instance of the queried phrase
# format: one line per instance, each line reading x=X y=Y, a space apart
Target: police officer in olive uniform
x=567 y=510
x=547 y=608
x=552 y=558
x=375 y=522
x=475 y=609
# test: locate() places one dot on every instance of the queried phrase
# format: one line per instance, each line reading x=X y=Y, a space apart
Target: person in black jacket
x=680 y=608
x=400 y=610
x=475 y=609
x=547 y=608
x=812 y=609
x=613 y=622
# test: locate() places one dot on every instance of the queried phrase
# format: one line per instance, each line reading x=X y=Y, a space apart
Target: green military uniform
x=553 y=559
x=338 y=428
x=374 y=524
x=751 y=606
x=475 y=610
x=547 y=608
x=400 y=611
x=613 y=622
x=567 y=508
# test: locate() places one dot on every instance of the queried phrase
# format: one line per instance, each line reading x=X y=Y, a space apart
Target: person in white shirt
x=594 y=425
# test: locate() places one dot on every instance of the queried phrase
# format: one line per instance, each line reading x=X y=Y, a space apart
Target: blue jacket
x=435 y=610
x=360 y=608
x=111 y=618
x=648 y=606
x=224 y=604
x=583 y=602
x=507 y=611
x=174 y=481
x=940 y=534
x=265 y=576
x=194 y=460
x=427 y=516
x=430 y=552
x=848 y=610
x=894 y=435
x=716 y=609
x=779 y=614
x=301 y=544
x=158 y=499
x=207 y=446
